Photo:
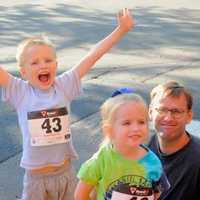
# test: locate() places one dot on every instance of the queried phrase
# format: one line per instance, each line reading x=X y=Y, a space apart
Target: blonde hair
x=25 y=44
x=110 y=106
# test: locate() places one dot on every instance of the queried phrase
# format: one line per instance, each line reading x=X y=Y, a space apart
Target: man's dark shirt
x=182 y=169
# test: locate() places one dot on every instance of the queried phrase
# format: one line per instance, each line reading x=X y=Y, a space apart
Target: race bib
x=121 y=196
x=48 y=127
x=124 y=189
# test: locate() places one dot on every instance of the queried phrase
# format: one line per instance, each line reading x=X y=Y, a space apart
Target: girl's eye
x=126 y=123
x=34 y=63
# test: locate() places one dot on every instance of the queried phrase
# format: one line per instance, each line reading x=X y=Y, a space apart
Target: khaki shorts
x=59 y=185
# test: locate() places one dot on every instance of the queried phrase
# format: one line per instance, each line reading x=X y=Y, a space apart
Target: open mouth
x=44 y=77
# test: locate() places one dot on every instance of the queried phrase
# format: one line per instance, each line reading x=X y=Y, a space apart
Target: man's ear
x=190 y=116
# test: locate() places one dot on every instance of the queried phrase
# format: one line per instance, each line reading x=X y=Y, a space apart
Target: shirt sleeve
x=70 y=83
x=14 y=92
x=90 y=171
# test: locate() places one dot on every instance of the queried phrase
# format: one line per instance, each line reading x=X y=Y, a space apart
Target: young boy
x=42 y=104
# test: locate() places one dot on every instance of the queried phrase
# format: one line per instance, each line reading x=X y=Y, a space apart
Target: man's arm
x=4 y=77
x=125 y=23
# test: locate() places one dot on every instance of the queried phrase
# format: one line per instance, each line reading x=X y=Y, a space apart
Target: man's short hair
x=174 y=89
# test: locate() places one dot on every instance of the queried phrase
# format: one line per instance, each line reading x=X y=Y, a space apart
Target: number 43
x=52 y=125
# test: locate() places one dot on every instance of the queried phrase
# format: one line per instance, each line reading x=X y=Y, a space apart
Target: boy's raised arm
x=4 y=77
x=125 y=23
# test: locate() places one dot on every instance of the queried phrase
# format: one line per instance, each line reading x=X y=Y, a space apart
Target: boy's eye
x=48 y=60
x=142 y=122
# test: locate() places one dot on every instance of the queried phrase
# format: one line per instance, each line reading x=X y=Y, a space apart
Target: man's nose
x=168 y=115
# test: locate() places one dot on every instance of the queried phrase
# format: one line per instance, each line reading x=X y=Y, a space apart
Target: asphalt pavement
x=164 y=45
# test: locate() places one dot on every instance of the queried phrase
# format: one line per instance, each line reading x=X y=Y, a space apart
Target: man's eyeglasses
x=176 y=113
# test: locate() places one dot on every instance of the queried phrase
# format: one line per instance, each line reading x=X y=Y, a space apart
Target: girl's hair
x=110 y=106
x=37 y=40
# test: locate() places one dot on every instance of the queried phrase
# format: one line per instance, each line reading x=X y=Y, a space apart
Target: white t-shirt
x=43 y=118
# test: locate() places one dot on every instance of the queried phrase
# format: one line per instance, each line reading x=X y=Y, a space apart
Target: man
x=170 y=110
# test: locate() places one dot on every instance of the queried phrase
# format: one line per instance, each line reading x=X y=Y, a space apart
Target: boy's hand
x=4 y=77
x=125 y=20
x=125 y=23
